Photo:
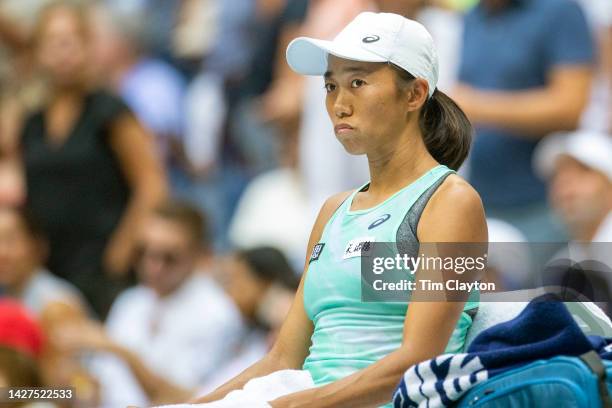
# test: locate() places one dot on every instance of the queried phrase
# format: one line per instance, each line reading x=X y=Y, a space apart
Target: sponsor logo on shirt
x=316 y=252
x=358 y=247
x=379 y=221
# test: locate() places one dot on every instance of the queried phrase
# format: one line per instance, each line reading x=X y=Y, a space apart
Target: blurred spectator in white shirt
x=166 y=335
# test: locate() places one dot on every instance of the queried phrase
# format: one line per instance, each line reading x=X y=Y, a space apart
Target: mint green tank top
x=349 y=334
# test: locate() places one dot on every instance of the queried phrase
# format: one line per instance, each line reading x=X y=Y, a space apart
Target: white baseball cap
x=591 y=148
x=371 y=37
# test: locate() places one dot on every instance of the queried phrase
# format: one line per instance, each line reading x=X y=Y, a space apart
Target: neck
x=67 y=94
x=394 y=167
x=168 y=292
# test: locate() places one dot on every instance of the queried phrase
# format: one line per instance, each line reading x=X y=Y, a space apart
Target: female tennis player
x=380 y=74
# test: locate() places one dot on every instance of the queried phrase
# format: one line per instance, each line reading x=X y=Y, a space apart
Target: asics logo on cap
x=370 y=39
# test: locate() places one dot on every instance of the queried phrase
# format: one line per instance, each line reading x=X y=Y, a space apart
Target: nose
x=342 y=104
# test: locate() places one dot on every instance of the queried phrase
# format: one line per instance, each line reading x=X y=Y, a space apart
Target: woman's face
x=63 y=47
x=18 y=250
x=365 y=104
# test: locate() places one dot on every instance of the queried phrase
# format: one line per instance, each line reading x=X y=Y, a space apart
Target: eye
x=329 y=87
x=356 y=83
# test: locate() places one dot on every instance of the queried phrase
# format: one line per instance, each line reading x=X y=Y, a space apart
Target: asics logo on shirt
x=379 y=221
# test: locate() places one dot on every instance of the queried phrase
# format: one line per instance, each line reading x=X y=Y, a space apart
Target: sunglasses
x=166 y=257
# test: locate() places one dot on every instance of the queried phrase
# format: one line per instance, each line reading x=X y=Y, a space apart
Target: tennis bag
x=559 y=382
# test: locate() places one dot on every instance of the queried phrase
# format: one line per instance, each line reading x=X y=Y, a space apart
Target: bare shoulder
x=455 y=193
x=333 y=202
x=454 y=212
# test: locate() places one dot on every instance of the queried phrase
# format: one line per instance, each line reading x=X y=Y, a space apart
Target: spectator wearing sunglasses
x=176 y=327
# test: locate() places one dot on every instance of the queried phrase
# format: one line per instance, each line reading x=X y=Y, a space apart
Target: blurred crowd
x=161 y=168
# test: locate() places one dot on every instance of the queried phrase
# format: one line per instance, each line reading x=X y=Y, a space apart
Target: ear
x=417 y=95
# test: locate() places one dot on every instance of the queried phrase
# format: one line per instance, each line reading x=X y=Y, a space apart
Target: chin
x=352 y=147
x=355 y=152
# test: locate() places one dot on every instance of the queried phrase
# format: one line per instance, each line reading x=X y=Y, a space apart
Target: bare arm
x=606 y=62
x=532 y=113
x=158 y=389
x=291 y=347
x=454 y=214
x=75 y=337
x=145 y=176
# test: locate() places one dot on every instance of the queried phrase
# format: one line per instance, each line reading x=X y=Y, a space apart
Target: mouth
x=342 y=128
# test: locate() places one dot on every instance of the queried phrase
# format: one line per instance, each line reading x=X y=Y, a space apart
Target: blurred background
x=161 y=168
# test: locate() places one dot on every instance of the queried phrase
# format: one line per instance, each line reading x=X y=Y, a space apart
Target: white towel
x=258 y=391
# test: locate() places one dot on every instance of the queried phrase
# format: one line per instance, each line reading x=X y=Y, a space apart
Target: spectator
x=227 y=137
x=255 y=277
x=262 y=284
x=84 y=151
x=579 y=170
x=152 y=88
x=22 y=254
x=173 y=329
x=161 y=15
x=525 y=72
x=179 y=31
x=265 y=104
x=225 y=66
x=52 y=300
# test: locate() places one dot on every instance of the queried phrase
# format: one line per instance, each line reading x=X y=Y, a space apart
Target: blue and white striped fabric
x=440 y=381
x=544 y=329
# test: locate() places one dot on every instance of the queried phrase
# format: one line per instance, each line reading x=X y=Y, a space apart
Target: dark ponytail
x=446 y=130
